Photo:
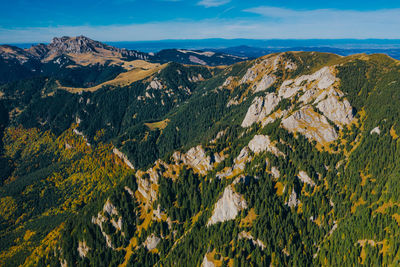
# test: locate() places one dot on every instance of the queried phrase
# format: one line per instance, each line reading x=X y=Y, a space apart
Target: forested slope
x=287 y=160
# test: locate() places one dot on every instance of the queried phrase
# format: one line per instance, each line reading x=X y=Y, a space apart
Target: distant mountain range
x=254 y=52
x=65 y=54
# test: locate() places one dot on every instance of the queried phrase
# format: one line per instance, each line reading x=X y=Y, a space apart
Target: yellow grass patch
x=28 y=235
x=196 y=217
x=129 y=251
x=319 y=219
x=46 y=246
x=300 y=208
x=248 y=220
x=364 y=178
x=123 y=79
x=359 y=202
x=384 y=206
x=217 y=263
x=279 y=188
x=384 y=250
x=393 y=133
x=159 y=125
x=396 y=216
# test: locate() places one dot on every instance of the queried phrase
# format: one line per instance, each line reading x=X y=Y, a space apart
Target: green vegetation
x=65 y=197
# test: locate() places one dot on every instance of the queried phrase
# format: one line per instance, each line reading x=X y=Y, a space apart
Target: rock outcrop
x=322 y=79
x=207 y=263
x=107 y=215
x=303 y=176
x=83 y=249
x=275 y=172
x=376 y=130
x=151 y=242
x=197 y=159
x=311 y=124
x=228 y=206
x=255 y=242
x=266 y=82
x=260 y=143
x=239 y=163
x=124 y=158
x=340 y=112
x=249 y=76
x=293 y=202
x=260 y=108
x=155 y=84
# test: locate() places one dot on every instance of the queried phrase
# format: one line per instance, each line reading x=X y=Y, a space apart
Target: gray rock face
x=288 y=89
x=239 y=164
x=260 y=108
x=249 y=76
x=82 y=44
x=83 y=249
x=340 y=112
x=228 y=81
x=260 y=143
x=110 y=208
x=124 y=158
x=207 y=263
x=311 y=124
x=293 y=202
x=255 y=242
x=195 y=158
x=155 y=84
x=228 y=206
x=321 y=80
x=303 y=176
x=265 y=83
x=275 y=172
x=146 y=190
x=151 y=242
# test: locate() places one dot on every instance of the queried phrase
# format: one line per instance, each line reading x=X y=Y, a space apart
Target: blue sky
x=133 y=20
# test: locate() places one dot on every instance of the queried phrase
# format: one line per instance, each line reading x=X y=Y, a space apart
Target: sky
x=26 y=21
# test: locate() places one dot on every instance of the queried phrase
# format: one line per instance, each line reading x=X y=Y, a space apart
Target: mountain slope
x=82 y=62
x=289 y=159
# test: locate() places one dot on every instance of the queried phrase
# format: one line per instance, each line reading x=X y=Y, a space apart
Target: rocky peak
x=39 y=50
x=75 y=45
x=79 y=45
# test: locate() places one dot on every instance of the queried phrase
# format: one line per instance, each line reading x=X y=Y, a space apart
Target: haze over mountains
x=115 y=157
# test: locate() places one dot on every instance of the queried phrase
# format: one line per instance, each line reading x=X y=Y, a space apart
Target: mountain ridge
x=267 y=161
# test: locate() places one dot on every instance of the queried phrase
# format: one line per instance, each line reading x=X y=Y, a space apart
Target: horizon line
x=225 y=39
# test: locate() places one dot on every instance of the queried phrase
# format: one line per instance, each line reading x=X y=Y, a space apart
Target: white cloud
x=382 y=16
x=274 y=23
x=213 y=3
